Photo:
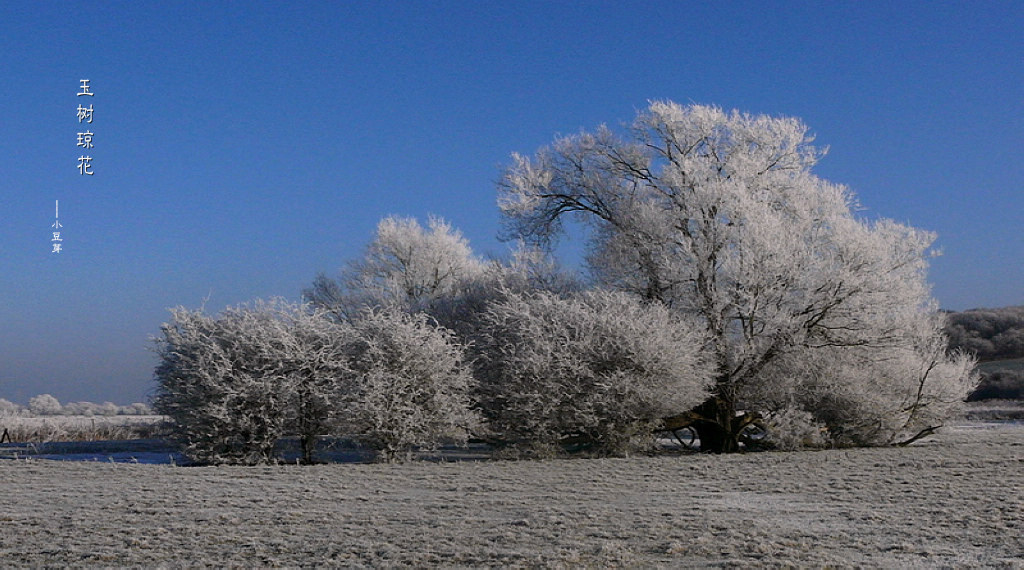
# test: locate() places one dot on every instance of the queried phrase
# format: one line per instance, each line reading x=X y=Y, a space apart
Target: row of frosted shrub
x=534 y=368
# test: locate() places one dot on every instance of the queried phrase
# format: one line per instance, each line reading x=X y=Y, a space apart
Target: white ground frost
x=954 y=501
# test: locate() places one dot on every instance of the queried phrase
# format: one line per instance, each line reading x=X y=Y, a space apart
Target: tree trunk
x=308 y=447
x=307 y=427
x=717 y=426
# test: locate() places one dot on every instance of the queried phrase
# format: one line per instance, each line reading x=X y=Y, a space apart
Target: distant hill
x=991 y=334
x=996 y=336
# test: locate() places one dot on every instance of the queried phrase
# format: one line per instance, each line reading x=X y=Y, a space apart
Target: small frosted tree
x=405 y=266
x=137 y=409
x=599 y=368
x=409 y=385
x=718 y=216
x=315 y=352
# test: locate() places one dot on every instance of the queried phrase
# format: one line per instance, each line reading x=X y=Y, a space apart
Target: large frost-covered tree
x=718 y=215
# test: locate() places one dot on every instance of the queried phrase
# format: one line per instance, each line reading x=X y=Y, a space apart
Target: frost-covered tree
x=44 y=405
x=9 y=408
x=409 y=385
x=405 y=266
x=234 y=383
x=718 y=216
x=599 y=368
x=314 y=349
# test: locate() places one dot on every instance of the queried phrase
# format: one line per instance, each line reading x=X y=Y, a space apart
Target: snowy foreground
x=956 y=500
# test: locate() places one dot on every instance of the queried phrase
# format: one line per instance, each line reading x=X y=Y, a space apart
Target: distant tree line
x=47 y=405
x=991 y=334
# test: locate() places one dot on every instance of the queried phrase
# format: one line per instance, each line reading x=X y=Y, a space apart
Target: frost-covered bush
x=44 y=405
x=883 y=401
x=904 y=385
x=599 y=368
x=791 y=429
x=408 y=384
x=109 y=409
x=234 y=383
x=136 y=409
x=81 y=409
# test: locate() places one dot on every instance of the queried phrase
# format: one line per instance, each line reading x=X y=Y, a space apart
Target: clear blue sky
x=242 y=147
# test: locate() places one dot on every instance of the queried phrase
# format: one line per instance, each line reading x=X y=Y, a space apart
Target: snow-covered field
x=955 y=500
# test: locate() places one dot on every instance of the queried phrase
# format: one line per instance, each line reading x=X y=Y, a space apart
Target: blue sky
x=240 y=148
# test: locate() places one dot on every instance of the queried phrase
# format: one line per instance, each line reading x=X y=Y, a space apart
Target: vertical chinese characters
x=85 y=138
x=84 y=141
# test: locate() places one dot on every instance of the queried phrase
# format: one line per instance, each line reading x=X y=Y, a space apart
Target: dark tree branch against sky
x=238 y=149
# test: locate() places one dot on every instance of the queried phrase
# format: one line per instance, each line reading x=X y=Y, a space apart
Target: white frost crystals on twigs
x=405 y=266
